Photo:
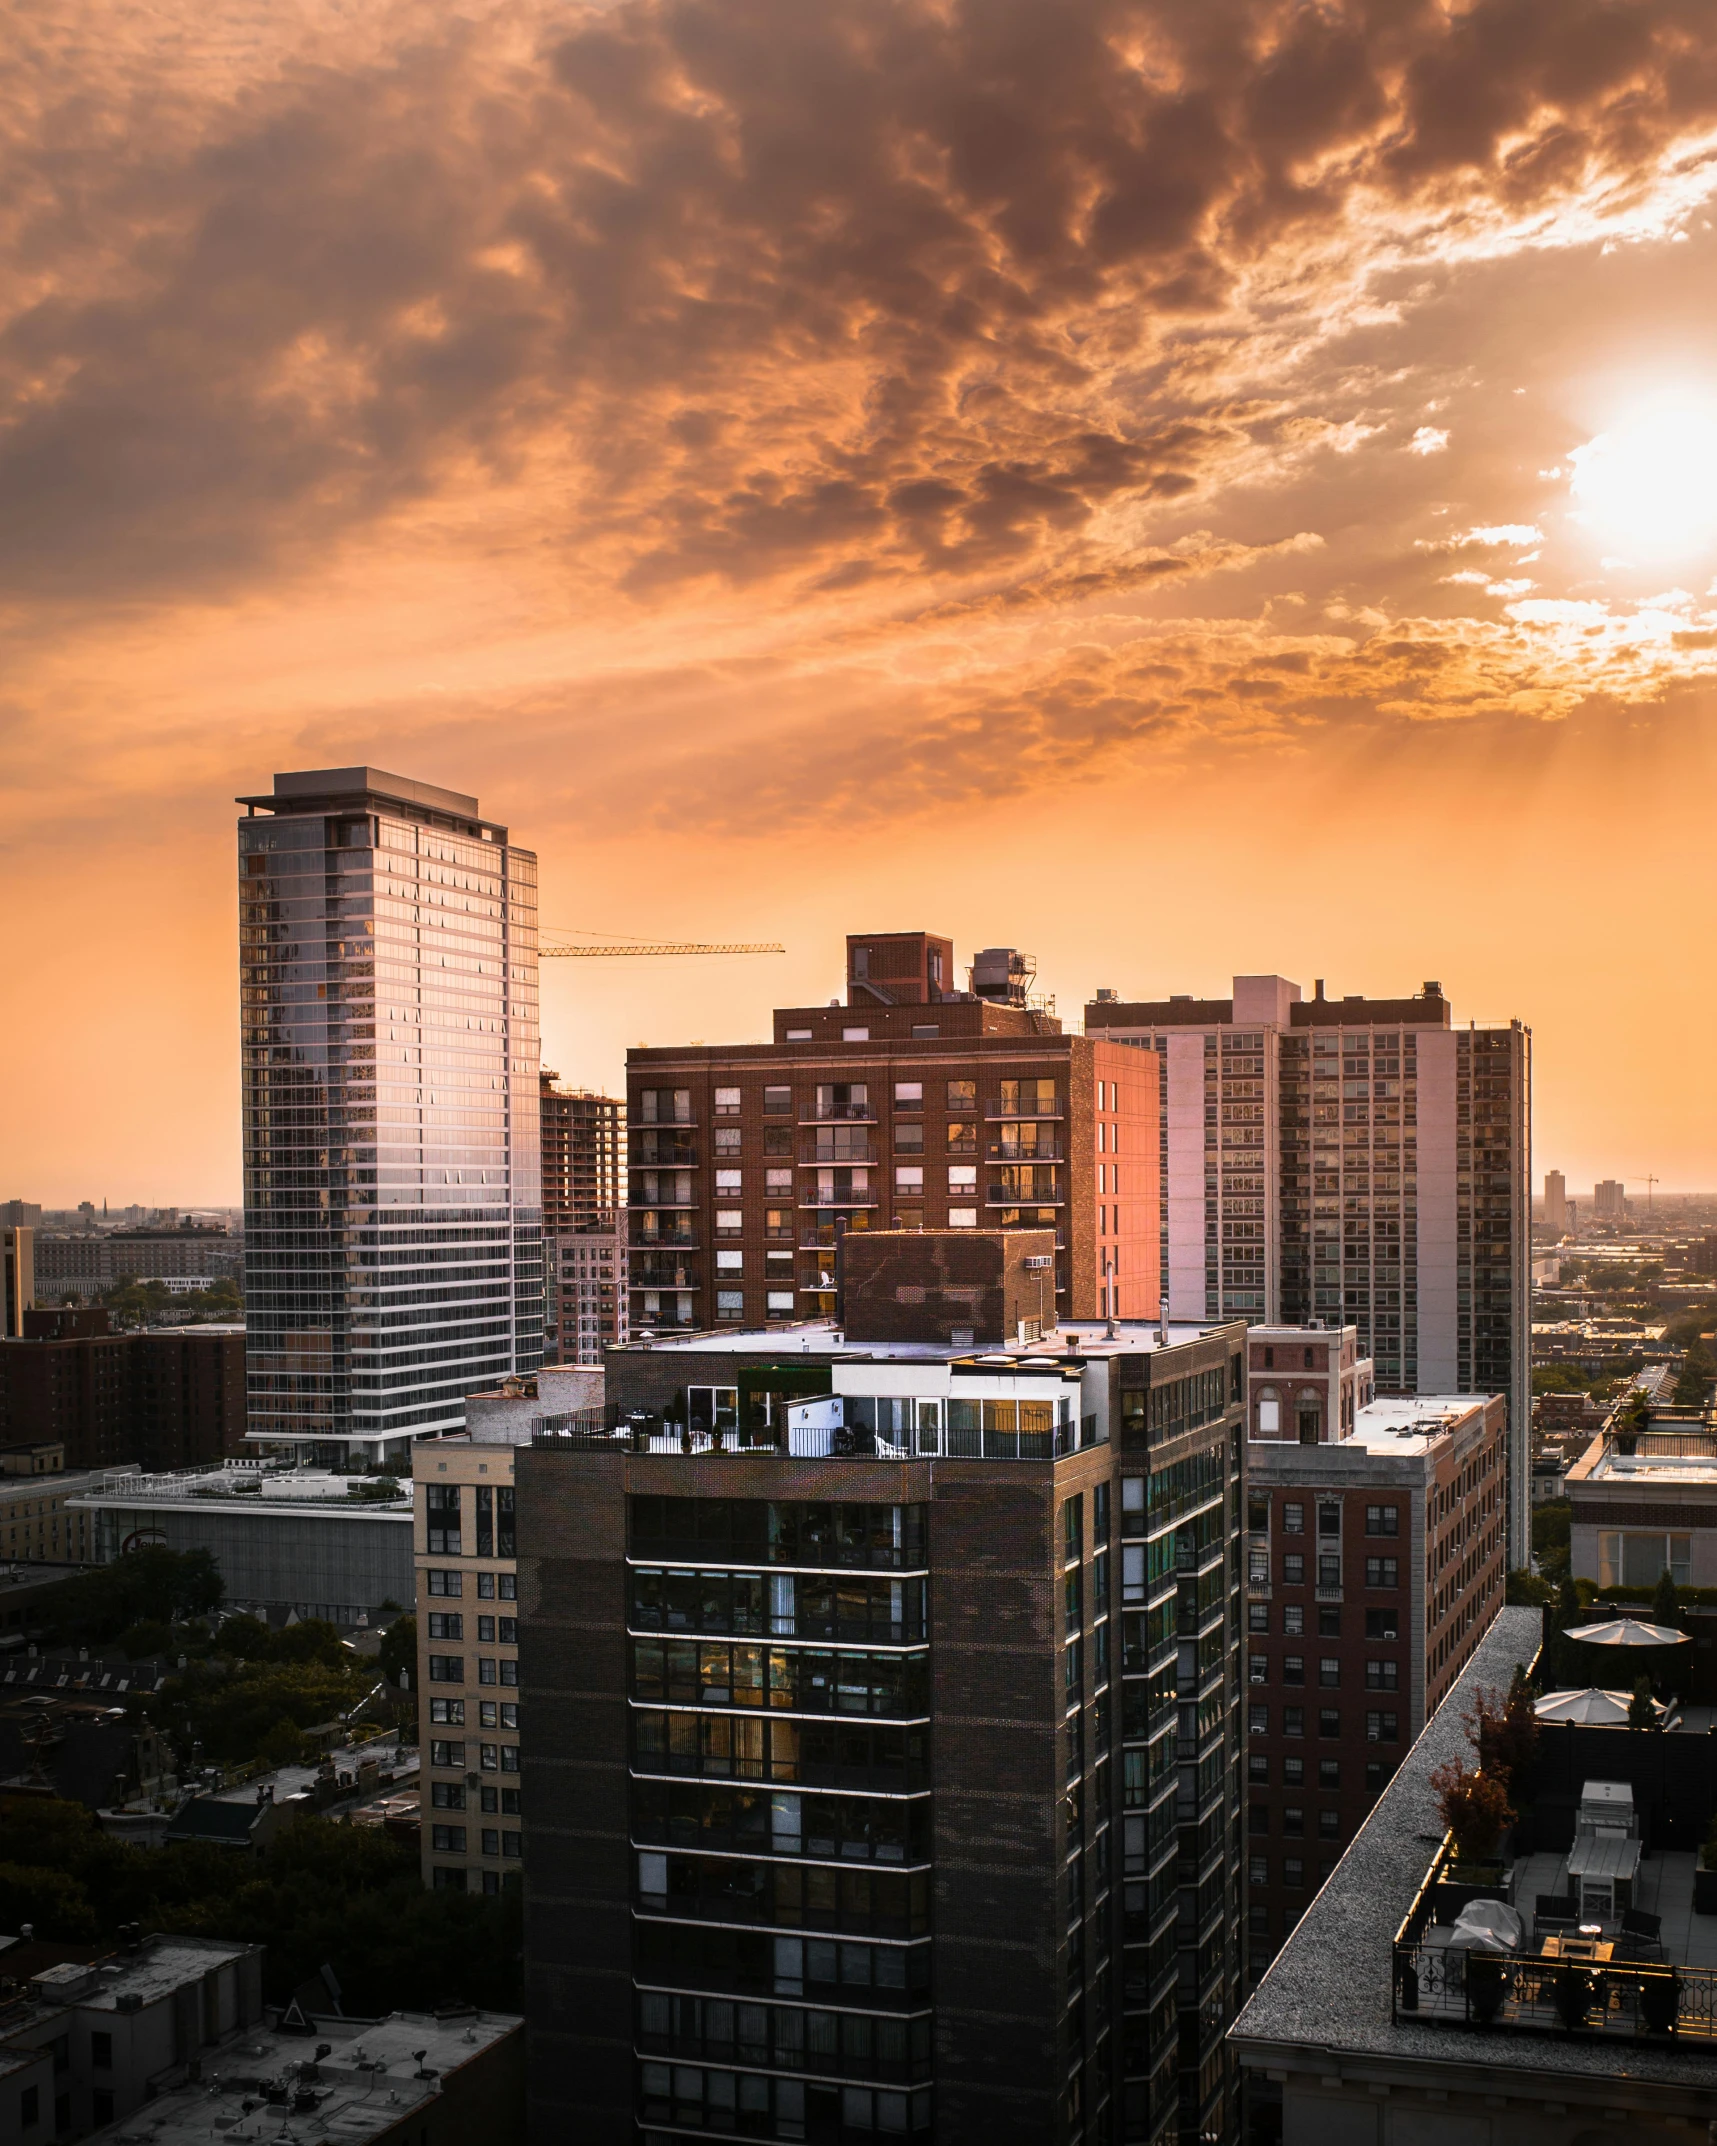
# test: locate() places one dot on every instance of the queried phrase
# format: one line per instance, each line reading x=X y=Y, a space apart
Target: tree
x=153 y=1585
x=1526 y=1590
x=399 y=1649
x=1474 y=1807
x=1642 y=1710
x=1552 y=1524
x=1698 y=1369
x=1503 y=1731
x=1666 y=1603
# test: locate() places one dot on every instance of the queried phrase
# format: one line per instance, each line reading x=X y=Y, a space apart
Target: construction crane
x=640 y=946
x=1651 y=1185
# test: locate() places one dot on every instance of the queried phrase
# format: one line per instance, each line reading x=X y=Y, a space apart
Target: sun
x=1648 y=486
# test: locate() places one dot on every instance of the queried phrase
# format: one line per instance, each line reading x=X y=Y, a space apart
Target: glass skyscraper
x=392 y=1155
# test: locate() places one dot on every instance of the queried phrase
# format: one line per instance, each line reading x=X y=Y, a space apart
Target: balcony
x=663 y=1151
x=838 y=1146
x=1005 y=1195
x=661 y=1273
x=664 y=1240
x=837 y=1113
x=1006 y=1106
x=1049 y=1149
x=819 y=1198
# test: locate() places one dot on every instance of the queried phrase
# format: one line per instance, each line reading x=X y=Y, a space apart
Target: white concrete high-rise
x=1555 y=1203
x=392 y=1153
x=1357 y=1161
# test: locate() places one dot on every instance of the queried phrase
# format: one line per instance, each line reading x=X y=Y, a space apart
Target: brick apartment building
x=1003 y=1906
x=1354 y=1159
x=1375 y=1565
x=465 y=1550
x=167 y=1399
x=911 y=1106
x=584 y=1223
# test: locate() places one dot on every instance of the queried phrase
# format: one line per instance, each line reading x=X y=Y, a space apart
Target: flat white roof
x=1412 y=1423
x=1082 y=1337
x=296 y=1490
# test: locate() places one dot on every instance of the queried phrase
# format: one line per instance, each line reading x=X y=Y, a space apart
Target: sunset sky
x=1180 y=488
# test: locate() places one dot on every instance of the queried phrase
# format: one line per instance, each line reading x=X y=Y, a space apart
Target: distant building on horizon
x=1555 y=1203
x=392 y=1153
x=1353 y=1160
x=1609 y=1199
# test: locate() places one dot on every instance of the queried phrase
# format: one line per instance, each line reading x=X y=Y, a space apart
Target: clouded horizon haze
x=1181 y=488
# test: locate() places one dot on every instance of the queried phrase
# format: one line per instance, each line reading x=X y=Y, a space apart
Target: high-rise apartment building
x=1374 y=1548
x=468 y=1697
x=584 y=1223
x=393 y=1161
x=912 y=1105
x=1354 y=1160
x=884 y=1769
x=1555 y=1203
x=17 y=1278
x=1609 y=1199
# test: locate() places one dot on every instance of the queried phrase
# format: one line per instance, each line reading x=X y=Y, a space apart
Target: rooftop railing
x=1657 y=2002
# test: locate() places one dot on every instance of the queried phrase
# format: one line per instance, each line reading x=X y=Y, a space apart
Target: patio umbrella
x=1606 y=1709
x=1628 y=1632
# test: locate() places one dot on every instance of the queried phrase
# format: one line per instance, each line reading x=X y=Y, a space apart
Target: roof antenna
x=1162 y=1322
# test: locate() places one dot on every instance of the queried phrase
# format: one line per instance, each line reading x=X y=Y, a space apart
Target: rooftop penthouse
x=1592 y=2000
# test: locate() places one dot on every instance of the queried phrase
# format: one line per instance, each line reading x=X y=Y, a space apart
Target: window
x=445 y=1626
x=1293 y=1620
x=1258 y=1720
x=1382 y=1676
x=1329 y=1670
x=1293 y=1569
x=1100 y=1514
x=485 y=1669
x=728 y=1183
x=844 y=1099
x=780 y=1303
x=1383 y=1520
x=1381 y=1572
x=1329 y=1721
x=1294 y=1819
x=1257 y=1616
x=779 y=1184
x=444 y=1583
x=447 y=1669
x=909 y=1139
x=30 y=2100
x=1258 y=1512
x=727 y=1102
x=1329 y=1518
x=446 y=1796
x=447 y=1713
x=1624 y=1558
x=730 y=1304
x=1329 y=1825
x=909 y=1095
x=1258 y=1870
x=1329 y=1622
x=447 y=1840
x=962 y=1098
x=1383 y=1728
x=962 y=1218
x=1293 y=1518
x=442 y=1504
x=1258 y=1669
x=1073 y=1527
x=909 y=1177
x=444 y=1754
x=485 y=1520
x=101 y=2051
x=962 y=1177
x=1293 y=1721
x=730 y=1262
x=729 y=1222
x=1383 y=1624
x=1293 y=1772
x=1329 y=1773
x=1258 y=1768
x=1329 y=1571
x=1293 y=1871
x=1293 y=1669
x=777 y=1102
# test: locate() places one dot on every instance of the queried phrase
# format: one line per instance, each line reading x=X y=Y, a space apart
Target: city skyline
x=1276 y=476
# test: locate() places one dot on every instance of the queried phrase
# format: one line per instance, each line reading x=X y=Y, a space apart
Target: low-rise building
x=1375 y=1554
x=454 y=2077
x=167 y=1399
x=116 y=2030
x=325 y=1545
x=467 y=1595
x=1645 y=1502
x=40 y=1520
